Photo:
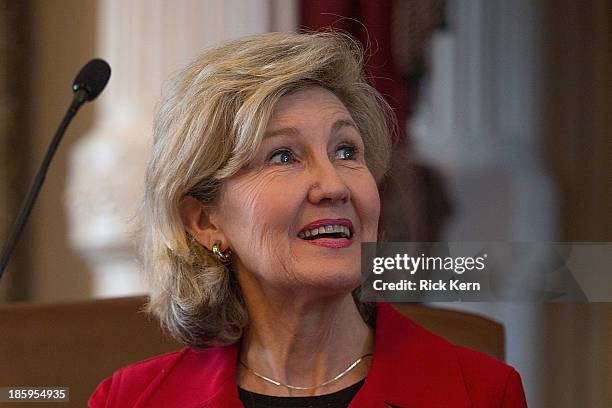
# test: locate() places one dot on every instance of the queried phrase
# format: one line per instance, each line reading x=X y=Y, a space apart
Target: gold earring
x=222 y=256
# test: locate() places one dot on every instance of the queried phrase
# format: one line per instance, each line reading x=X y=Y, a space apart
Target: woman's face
x=296 y=216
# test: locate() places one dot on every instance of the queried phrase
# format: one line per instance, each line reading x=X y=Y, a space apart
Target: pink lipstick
x=329 y=232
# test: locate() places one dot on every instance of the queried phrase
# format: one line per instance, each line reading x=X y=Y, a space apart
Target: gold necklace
x=295 y=387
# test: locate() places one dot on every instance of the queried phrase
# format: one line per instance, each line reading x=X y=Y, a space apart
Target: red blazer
x=411 y=367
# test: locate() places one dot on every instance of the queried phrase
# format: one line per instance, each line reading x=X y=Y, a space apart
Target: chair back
x=78 y=344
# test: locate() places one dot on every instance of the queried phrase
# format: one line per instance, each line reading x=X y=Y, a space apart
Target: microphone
x=87 y=85
x=92 y=78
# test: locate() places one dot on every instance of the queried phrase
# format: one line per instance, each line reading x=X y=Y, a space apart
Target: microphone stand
x=79 y=98
x=90 y=81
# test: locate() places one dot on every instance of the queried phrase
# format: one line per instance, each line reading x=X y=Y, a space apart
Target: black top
x=338 y=399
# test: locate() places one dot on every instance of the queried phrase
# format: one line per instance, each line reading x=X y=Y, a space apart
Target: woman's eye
x=282 y=157
x=346 y=153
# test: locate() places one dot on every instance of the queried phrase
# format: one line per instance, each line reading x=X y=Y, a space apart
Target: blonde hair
x=209 y=125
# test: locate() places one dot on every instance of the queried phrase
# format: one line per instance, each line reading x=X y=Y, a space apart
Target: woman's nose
x=328 y=185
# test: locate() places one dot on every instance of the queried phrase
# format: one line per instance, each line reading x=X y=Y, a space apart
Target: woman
x=261 y=185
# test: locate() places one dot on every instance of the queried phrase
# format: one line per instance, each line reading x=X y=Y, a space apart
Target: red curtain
x=369 y=21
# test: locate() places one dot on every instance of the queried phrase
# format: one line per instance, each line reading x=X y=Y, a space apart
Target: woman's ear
x=197 y=221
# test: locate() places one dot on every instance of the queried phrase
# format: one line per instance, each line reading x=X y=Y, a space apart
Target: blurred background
x=505 y=119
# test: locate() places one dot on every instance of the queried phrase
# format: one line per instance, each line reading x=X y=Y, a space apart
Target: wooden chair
x=78 y=344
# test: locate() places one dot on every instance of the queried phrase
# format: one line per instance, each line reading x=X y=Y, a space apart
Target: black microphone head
x=93 y=77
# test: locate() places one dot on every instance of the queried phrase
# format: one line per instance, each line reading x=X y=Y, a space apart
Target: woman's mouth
x=327 y=231
x=331 y=233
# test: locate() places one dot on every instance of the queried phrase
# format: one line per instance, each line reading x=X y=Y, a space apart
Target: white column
x=478 y=123
x=145 y=42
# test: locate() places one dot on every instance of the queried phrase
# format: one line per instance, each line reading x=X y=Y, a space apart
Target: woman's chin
x=330 y=282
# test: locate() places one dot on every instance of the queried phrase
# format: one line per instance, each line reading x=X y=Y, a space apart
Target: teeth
x=327 y=229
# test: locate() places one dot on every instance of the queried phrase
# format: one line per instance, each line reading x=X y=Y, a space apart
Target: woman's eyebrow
x=339 y=124
x=292 y=131
x=287 y=131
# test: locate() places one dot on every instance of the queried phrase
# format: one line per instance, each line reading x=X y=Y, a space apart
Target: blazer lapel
x=203 y=378
x=410 y=367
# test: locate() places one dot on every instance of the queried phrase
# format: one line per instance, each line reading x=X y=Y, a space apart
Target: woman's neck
x=304 y=344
